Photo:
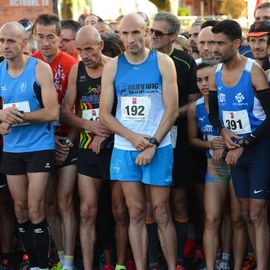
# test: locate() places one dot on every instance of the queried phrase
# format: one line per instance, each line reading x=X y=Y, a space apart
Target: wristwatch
x=154 y=141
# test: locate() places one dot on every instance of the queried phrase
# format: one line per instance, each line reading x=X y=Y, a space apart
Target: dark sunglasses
x=159 y=33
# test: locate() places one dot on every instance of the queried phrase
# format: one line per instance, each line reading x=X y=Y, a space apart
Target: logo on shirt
x=239 y=97
x=201 y=118
x=22 y=86
x=221 y=97
x=134 y=100
x=4 y=88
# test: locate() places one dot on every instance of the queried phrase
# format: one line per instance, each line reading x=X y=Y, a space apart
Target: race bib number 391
x=237 y=121
x=135 y=108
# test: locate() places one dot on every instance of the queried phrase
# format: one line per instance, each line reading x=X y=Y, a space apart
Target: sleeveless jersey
x=203 y=122
x=61 y=66
x=139 y=98
x=239 y=109
x=88 y=93
x=24 y=93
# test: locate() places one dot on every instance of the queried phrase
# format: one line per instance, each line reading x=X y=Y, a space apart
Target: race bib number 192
x=135 y=108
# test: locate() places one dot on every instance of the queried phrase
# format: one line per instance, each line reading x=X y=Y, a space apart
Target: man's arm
x=50 y=111
x=170 y=96
x=106 y=105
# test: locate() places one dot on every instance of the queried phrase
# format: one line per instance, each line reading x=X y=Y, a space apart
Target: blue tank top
x=140 y=104
x=239 y=109
x=203 y=122
x=24 y=93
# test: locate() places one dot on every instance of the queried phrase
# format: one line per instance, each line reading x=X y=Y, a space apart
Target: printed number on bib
x=21 y=106
x=135 y=108
x=92 y=115
x=237 y=122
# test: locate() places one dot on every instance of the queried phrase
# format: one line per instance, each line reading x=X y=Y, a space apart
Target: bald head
x=89 y=32
x=15 y=28
x=206 y=43
x=134 y=19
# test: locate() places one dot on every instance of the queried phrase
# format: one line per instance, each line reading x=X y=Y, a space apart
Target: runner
x=29 y=109
x=146 y=88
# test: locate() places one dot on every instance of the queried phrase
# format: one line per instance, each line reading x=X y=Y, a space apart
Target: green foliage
x=162 y=4
x=183 y=11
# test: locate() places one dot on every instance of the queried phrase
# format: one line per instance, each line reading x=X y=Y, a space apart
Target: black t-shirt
x=187 y=84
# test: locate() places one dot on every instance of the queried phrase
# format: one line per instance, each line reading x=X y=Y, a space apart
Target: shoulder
x=111 y=64
x=37 y=55
x=66 y=59
x=164 y=59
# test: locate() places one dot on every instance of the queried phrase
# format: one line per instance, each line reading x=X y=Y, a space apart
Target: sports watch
x=154 y=141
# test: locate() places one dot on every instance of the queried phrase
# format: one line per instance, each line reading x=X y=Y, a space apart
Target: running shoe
x=180 y=267
x=223 y=265
x=24 y=265
x=108 y=267
x=120 y=267
x=154 y=266
x=57 y=266
x=130 y=265
x=249 y=263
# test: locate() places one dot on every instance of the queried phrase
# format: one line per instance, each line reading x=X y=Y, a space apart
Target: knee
x=257 y=214
x=237 y=222
x=137 y=214
x=120 y=215
x=65 y=204
x=212 y=222
x=162 y=214
x=36 y=211
x=88 y=213
x=21 y=209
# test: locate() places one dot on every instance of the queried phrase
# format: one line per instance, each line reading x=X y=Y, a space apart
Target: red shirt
x=60 y=66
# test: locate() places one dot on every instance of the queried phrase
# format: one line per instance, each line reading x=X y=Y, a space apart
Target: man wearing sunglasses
x=164 y=31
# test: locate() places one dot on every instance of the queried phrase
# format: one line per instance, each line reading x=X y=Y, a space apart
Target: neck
x=49 y=59
x=167 y=50
x=16 y=65
x=235 y=61
x=137 y=58
x=98 y=69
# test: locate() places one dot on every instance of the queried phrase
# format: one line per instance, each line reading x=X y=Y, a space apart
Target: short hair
x=113 y=45
x=209 y=23
x=32 y=44
x=230 y=28
x=145 y=17
x=171 y=19
x=71 y=24
x=197 y=23
x=48 y=19
x=205 y=64
x=262 y=6
x=27 y=24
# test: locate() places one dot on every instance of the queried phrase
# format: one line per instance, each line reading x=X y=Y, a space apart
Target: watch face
x=153 y=141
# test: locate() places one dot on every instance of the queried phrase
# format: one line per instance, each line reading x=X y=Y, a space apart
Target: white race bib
x=92 y=115
x=173 y=133
x=21 y=106
x=237 y=122
x=135 y=108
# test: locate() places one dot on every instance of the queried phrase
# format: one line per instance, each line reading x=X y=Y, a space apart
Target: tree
x=162 y=4
x=234 y=9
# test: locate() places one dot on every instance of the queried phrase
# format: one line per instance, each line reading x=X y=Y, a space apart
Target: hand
x=11 y=116
x=61 y=152
x=97 y=128
x=228 y=135
x=145 y=157
x=140 y=142
x=217 y=155
x=4 y=128
x=218 y=143
x=98 y=143
x=233 y=155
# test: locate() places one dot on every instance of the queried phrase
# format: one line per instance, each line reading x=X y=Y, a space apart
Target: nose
x=130 y=38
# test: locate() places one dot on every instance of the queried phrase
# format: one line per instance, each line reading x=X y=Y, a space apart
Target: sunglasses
x=158 y=33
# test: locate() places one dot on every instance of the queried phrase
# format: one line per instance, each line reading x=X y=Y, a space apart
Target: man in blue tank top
x=239 y=102
x=147 y=107
x=30 y=106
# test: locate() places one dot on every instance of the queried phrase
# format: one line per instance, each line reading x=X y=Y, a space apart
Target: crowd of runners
x=135 y=144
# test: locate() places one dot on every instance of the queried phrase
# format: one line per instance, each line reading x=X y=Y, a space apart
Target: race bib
x=21 y=106
x=237 y=122
x=173 y=133
x=135 y=108
x=92 y=115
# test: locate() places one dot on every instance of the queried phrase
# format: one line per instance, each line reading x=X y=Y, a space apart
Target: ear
x=101 y=44
x=237 y=43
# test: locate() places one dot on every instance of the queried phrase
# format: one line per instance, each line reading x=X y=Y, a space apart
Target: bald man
x=147 y=106
x=95 y=146
x=30 y=106
x=205 y=45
